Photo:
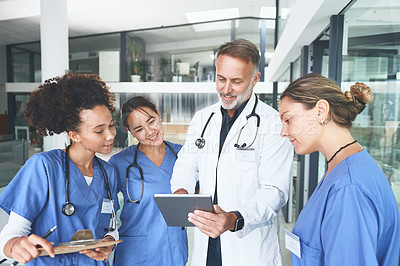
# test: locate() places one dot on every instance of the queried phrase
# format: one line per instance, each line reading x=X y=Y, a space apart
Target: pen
x=51 y=230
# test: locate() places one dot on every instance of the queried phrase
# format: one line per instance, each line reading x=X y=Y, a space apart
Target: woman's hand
x=24 y=249
x=100 y=253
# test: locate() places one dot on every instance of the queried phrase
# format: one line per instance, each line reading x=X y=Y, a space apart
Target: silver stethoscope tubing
x=68 y=208
x=137 y=166
x=200 y=142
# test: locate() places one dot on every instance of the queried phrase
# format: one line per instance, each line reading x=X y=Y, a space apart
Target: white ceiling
x=20 y=19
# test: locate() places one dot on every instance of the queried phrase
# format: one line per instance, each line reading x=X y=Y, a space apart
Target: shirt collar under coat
x=239 y=123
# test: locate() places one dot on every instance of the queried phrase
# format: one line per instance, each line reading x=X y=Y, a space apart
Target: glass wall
x=175 y=54
x=284 y=14
x=26 y=63
x=96 y=55
x=371 y=55
x=172 y=54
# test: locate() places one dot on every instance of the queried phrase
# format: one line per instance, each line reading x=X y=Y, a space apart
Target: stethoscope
x=136 y=165
x=200 y=142
x=68 y=208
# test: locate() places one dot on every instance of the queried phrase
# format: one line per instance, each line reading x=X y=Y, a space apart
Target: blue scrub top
x=147 y=240
x=351 y=218
x=37 y=193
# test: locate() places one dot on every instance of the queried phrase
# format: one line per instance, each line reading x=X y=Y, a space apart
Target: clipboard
x=71 y=249
x=81 y=240
x=176 y=207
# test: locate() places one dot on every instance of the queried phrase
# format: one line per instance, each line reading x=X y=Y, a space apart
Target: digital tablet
x=175 y=207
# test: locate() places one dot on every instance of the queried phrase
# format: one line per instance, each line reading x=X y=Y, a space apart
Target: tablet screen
x=176 y=207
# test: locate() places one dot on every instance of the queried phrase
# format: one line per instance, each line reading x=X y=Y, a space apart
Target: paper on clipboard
x=71 y=249
x=81 y=240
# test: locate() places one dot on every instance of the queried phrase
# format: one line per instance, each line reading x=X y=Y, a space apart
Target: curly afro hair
x=55 y=106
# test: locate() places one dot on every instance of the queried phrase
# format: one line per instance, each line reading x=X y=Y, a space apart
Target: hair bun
x=361 y=93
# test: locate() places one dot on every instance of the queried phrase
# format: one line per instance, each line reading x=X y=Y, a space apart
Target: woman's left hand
x=100 y=253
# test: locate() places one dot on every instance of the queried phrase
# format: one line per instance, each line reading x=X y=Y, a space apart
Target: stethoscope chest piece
x=68 y=209
x=200 y=142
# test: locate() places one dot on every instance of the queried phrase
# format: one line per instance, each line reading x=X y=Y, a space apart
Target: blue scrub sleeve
x=349 y=229
x=27 y=193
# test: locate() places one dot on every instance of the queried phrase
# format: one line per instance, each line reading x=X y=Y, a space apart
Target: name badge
x=246 y=155
x=107 y=206
x=292 y=243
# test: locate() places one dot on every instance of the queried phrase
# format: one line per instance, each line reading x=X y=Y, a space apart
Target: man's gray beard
x=239 y=101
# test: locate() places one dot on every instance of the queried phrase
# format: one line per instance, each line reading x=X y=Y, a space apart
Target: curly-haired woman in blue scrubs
x=352 y=216
x=69 y=188
x=143 y=170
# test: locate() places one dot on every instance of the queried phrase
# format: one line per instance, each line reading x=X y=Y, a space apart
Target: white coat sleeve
x=274 y=173
x=185 y=173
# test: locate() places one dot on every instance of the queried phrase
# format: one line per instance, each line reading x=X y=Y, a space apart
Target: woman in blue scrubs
x=79 y=105
x=147 y=240
x=352 y=217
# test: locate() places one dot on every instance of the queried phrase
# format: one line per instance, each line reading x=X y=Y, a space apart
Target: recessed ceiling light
x=268 y=12
x=209 y=15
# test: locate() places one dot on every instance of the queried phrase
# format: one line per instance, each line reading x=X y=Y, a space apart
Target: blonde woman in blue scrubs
x=352 y=217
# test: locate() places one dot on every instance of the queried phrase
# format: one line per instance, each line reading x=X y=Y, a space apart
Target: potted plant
x=136 y=51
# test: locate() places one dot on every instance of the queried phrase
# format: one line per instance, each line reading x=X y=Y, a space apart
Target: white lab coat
x=256 y=189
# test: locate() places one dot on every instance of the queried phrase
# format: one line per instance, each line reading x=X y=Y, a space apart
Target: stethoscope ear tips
x=200 y=142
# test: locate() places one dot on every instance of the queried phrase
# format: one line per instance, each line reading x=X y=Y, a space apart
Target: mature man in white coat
x=235 y=151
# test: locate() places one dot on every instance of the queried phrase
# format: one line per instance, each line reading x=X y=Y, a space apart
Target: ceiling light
x=216 y=14
x=268 y=12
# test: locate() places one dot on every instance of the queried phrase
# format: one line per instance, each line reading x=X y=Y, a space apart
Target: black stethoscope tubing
x=137 y=166
x=68 y=208
x=253 y=113
x=200 y=142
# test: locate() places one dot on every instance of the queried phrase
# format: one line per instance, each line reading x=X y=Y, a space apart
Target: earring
x=322 y=122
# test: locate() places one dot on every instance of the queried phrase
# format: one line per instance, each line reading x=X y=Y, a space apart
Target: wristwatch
x=239 y=221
